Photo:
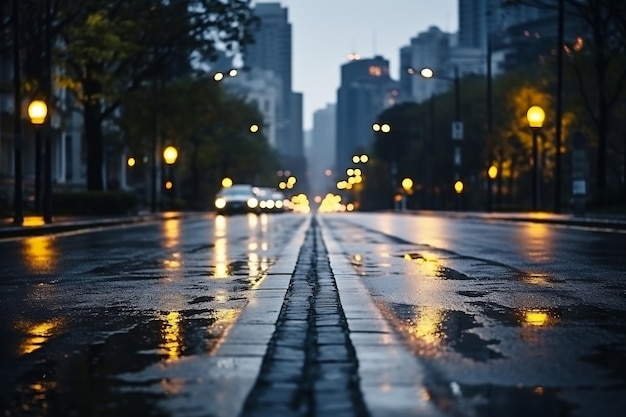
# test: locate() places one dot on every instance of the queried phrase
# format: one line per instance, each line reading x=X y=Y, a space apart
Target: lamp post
x=457 y=124
x=407 y=186
x=492 y=173
x=386 y=128
x=458 y=188
x=37 y=112
x=170 y=154
x=535 y=116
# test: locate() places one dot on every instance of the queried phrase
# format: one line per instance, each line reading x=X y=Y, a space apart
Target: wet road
x=498 y=318
x=508 y=319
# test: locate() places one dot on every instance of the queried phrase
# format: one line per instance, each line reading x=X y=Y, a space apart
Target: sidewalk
x=34 y=225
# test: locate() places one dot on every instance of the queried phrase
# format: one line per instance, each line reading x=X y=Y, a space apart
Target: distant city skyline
x=325 y=32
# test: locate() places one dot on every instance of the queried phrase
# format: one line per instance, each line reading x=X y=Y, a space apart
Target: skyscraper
x=271 y=50
x=366 y=89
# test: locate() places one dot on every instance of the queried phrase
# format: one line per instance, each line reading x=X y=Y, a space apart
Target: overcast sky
x=324 y=32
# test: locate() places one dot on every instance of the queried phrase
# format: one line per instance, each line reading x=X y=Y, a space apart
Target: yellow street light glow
x=355 y=159
x=458 y=187
x=254 y=128
x=131 y=162
x=227 y=182
x=407 y=183
x=218 y=76
x=535 y=116
x=169 y=185
x=282 y=185
x=364 y=158
x=493 y=171
x=358 y=179
x=233 y=72
x=427 y=73
x=385 y=128
x=357 y=172
x=291 y=180
x=350 y=172
x=170 y=154
x=37 y=112
x=376 y=127
x=351 y=180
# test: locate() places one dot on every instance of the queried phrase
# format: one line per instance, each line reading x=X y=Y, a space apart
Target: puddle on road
x=83 y=380
x=432 y=332
x=494 y=400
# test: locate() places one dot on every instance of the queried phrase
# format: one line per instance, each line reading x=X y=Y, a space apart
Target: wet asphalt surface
x=503 y=319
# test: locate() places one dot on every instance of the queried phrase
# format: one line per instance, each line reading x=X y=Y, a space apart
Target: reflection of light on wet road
x=174 y=263
x=38 y=334
x=220 y=226
x=171 y=232
x=428 y=262
x=535 y=241
x=426 y=326
x=536 y=318
x=40 y=253
x=172 y=335
x=220 y=258
x=30 y=221
x=536 y=279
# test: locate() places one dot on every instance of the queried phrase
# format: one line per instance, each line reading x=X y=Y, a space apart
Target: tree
x=109 y=47
x=597 y=56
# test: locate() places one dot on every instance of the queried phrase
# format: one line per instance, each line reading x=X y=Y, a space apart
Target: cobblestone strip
x=310 y=368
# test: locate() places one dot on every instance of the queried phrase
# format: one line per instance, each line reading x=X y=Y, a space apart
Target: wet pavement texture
x=508 y=319
x=360 y=314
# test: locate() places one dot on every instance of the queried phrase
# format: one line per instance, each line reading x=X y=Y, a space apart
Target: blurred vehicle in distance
x=238 y=198
x=270 y=200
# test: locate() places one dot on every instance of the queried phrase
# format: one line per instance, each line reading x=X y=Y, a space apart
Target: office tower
x=366 y=89
x=321 y=154
x=271 y=50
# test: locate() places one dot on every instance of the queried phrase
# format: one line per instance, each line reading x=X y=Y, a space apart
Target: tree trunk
x=93 y=140
x=93 y=133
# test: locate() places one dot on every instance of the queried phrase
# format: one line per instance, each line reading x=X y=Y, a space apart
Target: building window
x=375 y=71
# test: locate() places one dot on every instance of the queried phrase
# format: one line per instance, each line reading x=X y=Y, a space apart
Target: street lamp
x=535 y=116
x=457 y=124
x=386 y=128
x=170 y=154
x=407 y=186
x=37 y=112
x=458 y=188
x=492 y=173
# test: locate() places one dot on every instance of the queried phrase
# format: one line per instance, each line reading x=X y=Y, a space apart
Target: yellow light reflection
x=30 y=221
x=40 y=253
x=171 y=232
x=38 y=334
x=253 y=221
x=220 y=226
x=172 y=335
x=174 y=263
x=220 y=259
x=426 y=327
x=536 y=318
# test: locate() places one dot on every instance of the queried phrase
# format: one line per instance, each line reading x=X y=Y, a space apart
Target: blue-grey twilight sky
x=325 y=32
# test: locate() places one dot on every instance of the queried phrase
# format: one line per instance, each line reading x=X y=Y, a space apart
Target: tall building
x=366 y=89
x=429 y=49
x=321 y=152
x=271 y=51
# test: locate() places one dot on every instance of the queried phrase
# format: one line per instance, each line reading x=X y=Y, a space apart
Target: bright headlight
x=253 y=202
x=279 y=204
x=220 y=202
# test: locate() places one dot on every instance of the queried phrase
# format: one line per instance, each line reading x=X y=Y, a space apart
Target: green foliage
x=94 y=203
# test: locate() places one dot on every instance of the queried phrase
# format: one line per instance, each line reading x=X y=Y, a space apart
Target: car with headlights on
x=238 y=198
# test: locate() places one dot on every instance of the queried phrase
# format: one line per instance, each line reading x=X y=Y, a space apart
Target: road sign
x=457 y=130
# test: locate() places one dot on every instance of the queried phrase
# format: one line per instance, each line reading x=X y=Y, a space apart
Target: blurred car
x=270 y=200
x=238 y=198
